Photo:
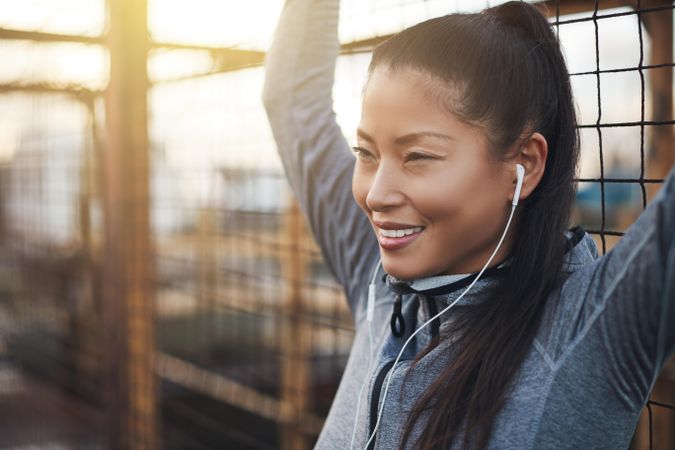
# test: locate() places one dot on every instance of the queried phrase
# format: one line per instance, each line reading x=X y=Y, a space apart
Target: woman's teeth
x=399 y=233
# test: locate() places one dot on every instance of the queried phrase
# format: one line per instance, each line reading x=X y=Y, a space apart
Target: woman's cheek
x=433 y=195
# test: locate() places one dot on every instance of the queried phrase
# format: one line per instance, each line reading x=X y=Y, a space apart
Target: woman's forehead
x=425 y=82
x=405 y=101
x=411 y=85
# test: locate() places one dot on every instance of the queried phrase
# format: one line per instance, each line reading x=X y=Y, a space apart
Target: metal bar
x=660 y=147
x=229 y=59
x=660 y=158
x=231 y=62
x=618 y=180
x=39 y=36
x=629 y=124
x=567 y=7
x=128 y=305
x=295 y=369
x=51 y=88
x=233 y=392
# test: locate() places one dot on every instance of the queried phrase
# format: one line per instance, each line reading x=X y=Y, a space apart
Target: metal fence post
x=295 y=339
x=661 y=151
x=128 y=306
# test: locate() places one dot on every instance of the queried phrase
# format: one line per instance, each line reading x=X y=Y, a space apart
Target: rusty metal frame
x=127 y=268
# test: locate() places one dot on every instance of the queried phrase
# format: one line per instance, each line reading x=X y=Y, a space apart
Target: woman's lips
x=395 y=243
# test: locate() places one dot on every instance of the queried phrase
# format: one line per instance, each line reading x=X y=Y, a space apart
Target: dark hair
x=505 y=73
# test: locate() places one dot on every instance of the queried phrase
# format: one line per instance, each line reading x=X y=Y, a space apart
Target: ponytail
x=525 y=17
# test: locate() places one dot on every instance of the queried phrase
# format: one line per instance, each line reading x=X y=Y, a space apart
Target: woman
x=483 y=328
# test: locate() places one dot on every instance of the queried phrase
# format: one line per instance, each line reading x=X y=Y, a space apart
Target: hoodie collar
x=581 y=251
x=441 y=284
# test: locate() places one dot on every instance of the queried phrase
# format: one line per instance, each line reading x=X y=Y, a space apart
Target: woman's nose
x=385 y=192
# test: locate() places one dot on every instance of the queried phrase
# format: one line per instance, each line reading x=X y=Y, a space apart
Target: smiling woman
x=422 y=144
x=488 y=332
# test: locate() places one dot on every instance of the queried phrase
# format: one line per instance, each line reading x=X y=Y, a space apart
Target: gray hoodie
x=605 y=333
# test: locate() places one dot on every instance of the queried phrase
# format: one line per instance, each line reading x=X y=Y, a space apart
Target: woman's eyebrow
x=413 y=137
x=363 y=135
x=408 y=138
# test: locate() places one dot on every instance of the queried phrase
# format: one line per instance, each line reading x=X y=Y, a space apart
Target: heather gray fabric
x=605 y=334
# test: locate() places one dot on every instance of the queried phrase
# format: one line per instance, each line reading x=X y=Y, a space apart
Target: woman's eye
x=417 y=156
x=363 y=154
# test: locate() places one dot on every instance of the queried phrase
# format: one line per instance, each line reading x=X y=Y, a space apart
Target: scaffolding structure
x=140 y=319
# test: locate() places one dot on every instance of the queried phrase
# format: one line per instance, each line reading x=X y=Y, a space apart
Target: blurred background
x=158 y=285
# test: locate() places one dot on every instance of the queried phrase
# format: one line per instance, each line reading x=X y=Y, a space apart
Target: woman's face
x=436 y=196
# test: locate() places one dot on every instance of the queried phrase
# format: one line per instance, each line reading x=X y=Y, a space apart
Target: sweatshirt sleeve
x=623 y=328
x=636 y=282
x=299 y=75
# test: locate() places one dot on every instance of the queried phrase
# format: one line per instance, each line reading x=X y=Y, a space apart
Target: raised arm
x=634 y=284
x=299 y=74
x=616 y=323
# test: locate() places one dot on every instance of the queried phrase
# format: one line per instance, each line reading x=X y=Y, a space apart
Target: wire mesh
x=252 y=332
x=49 y=340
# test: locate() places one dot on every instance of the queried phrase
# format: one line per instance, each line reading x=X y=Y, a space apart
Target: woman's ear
x=532 y=156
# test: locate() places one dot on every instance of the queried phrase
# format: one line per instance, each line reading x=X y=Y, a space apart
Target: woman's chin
x=403 y=270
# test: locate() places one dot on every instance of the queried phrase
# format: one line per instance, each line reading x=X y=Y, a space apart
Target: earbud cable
x=391 y=370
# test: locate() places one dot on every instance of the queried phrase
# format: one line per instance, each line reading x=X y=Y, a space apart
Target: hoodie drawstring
x=397 y=330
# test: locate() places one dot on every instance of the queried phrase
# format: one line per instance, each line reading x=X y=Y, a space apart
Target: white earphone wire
x=386 y=387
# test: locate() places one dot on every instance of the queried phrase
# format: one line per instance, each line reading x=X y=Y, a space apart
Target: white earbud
x=520 y=174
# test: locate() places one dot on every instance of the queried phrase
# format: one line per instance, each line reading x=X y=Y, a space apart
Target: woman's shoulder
x=566 y=307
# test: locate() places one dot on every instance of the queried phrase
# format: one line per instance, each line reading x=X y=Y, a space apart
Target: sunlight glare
x=246 y=24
